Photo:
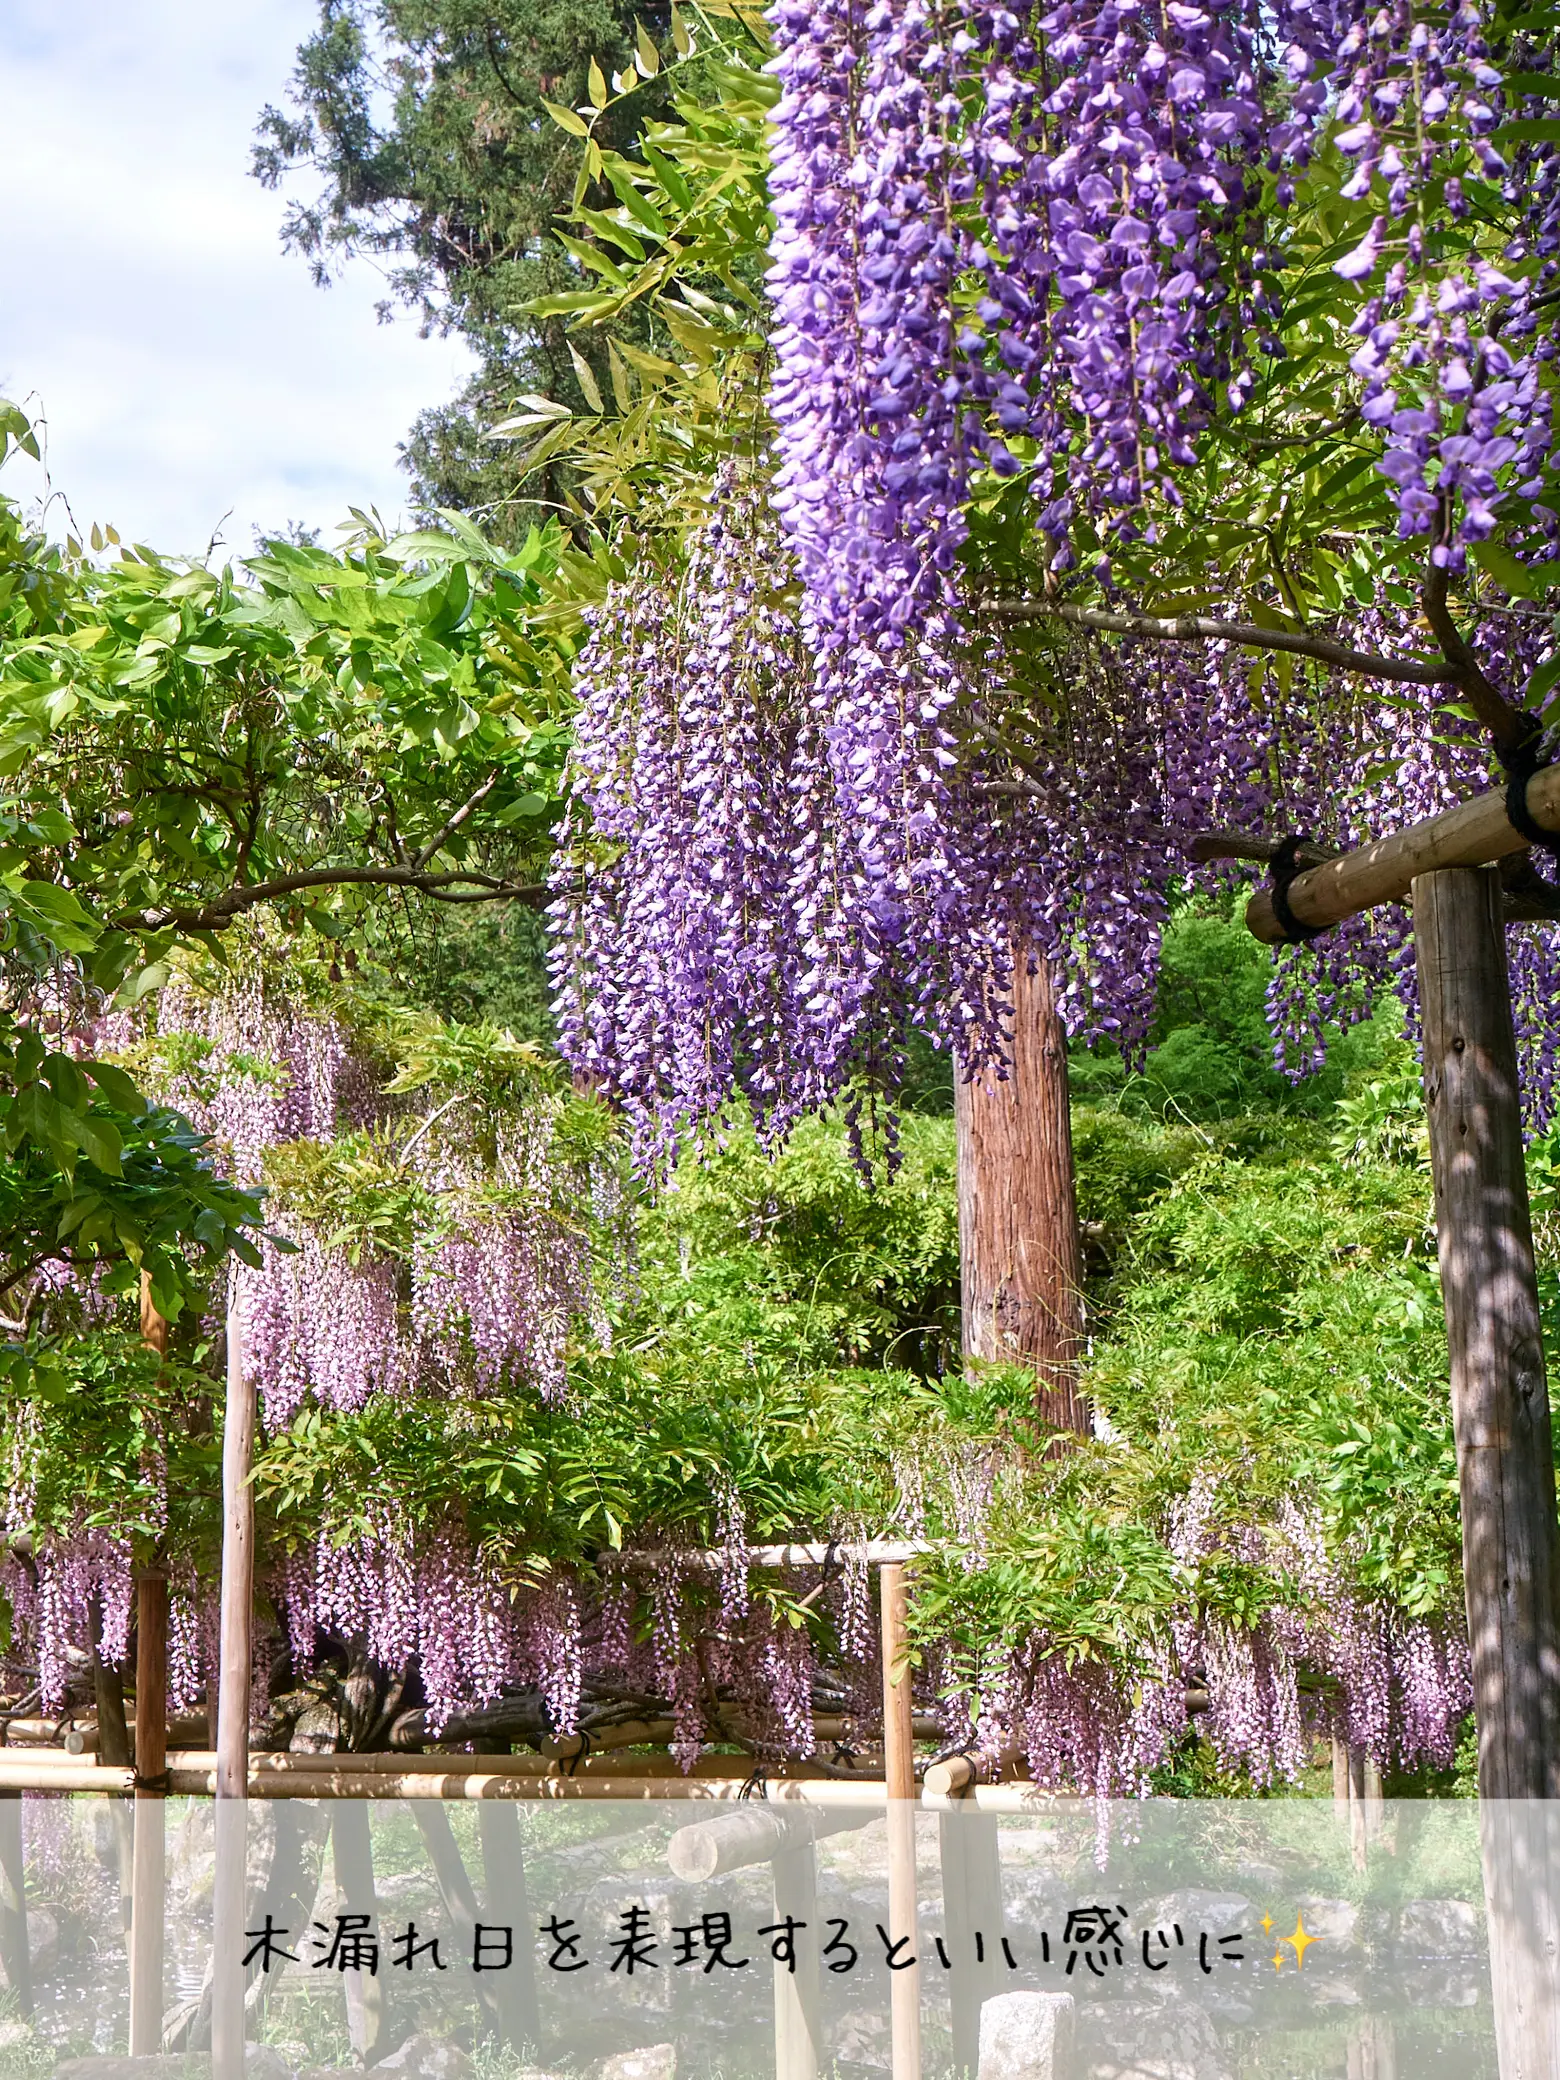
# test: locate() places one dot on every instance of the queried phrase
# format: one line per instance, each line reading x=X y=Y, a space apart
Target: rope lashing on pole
x=1471 y=835
x=1523 y=762
x=1286 y=866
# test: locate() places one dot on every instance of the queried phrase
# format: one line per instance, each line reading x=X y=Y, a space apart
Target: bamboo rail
x=1470 y=835
x=876 y=1552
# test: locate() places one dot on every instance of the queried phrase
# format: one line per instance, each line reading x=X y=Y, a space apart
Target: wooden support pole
x=148 y=1883
x=509 y=1906
x=972 y=1920
x=1020 y=1261
x=233 y=1682
x=111 y=1739
x=15 y=1943
x=1500 y=1399
x=236 y=1649
x=1500 y=1412
x=460 y=1904
x=798 y=2028
x=899 y=1778
x=352 y=1856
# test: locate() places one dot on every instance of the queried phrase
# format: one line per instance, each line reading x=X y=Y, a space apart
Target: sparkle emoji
x=1299 y=1942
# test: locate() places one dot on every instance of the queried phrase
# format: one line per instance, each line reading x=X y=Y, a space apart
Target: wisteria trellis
x=810 y=811
x=1032 y=245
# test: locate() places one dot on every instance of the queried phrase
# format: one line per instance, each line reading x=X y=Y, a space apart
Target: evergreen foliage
x=425 y=123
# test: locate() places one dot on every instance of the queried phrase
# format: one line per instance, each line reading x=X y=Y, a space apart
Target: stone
x=43 y=1941
x=1194 y=1910
x=1026 y=2036
x=1332 y=1921
x=1165 y=2039
x=1441 y=1928
x=424 y=2057
x=654 y=2062
x=14 y=2035
x=266 y=2062
x=862 y=2038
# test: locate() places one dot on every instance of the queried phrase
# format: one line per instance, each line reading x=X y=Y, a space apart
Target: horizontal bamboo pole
x=36 y=1772
x=467 y=1785
x=637 y=1733
x=307 y=1767
x=955 y=1774
x=877 y=1552
x=1470 y=835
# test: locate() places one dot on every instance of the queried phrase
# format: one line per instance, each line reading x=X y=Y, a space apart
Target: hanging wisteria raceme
x=485 y=1297
x=798 y=831
x=1104 y=174
x=263 y=1072
x=1321 y=1661
x=687 y=917
x=61 y=1586
x=426 y=1597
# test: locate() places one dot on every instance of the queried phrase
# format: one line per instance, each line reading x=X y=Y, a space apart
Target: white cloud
x=187 y=368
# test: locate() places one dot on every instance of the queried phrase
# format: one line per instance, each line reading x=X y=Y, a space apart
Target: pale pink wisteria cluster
x=502 y=1271
x=60 y=1586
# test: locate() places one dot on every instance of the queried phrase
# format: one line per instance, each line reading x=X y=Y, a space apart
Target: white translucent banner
x=639 y=1940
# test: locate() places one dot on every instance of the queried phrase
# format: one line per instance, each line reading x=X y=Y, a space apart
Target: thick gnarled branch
x=463 y=886
x=1249 y=635
x=1495 y=712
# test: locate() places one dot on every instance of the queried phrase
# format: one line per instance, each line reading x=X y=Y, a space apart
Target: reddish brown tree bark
x=1020 y=1262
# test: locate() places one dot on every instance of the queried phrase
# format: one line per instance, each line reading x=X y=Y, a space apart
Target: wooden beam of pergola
x=1471 y=835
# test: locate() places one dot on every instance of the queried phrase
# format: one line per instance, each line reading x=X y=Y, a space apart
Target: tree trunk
x=1019 y=1258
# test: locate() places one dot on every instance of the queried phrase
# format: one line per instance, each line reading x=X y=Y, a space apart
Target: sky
x=193 y=378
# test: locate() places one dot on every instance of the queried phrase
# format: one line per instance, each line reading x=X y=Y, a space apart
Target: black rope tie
x=1283 y=868
x=757 y=1785
x=568 y=1764
x=1522 y=761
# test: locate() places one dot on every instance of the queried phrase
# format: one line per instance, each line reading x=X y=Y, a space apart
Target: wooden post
x=498 y=2002
x=113 y=1750
x=238 y=1567
x=148 y=1902
x=972 y=1920
x=233 y=1661
x=1021 y=1269
x=1500 y=1400
x=899 y=1776
x=509 y=1904
x=1500 y=1412
x=352 y=1854
x=798 y=2036
x=15 y=1943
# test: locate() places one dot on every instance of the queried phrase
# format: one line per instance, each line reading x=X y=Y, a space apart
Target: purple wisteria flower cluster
x=1451 y=351
x=717 y=935
x=483 y=1299
x=990 y=228
x=1029 y=244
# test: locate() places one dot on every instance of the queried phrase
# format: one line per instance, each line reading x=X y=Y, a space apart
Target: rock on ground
x=424 y=2057
x=1026 y=2036
x=1168 y=2039
x=1441 y=1928
x=654 y=2062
